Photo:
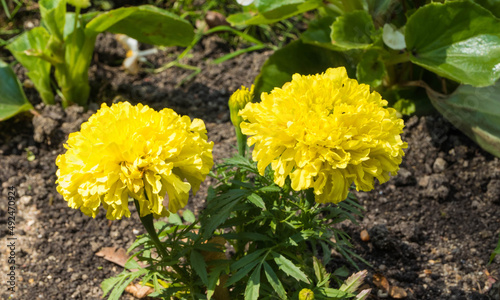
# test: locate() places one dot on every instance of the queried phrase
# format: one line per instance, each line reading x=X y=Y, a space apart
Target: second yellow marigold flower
x=326 y=132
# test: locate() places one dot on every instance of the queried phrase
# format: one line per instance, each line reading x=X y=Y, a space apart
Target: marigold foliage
x=127 y=151
x=326 y=132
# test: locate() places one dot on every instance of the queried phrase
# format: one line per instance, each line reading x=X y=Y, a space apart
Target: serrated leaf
x=476 y=112
x=459 y=40
x=257 y=200
x=354 y=281
x=242 y=273
x=353 y=30
x=147 y=24
x=289 y=267
x=296 y=57
x=320 y=270
x=12 y=97
x=200 y=266
x=274 y=281
x=253 y=285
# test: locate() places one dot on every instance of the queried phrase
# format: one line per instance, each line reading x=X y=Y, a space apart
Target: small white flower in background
x=134 y=55
x=244 y=2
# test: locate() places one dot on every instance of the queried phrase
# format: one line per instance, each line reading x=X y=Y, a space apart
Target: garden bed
x=432 y=228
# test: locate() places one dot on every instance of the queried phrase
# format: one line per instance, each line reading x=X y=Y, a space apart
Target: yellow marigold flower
x=237 y=101
x=326 y=132
x=127 y=151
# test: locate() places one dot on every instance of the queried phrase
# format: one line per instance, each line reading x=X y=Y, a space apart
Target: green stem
x=147 y=221
x=242 y=141
x=397 y=59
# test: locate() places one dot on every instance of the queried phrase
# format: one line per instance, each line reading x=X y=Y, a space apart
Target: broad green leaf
x=253 y=285
x=274 y=281
x=297 y=57
x=476 y=112
x=200 y=266
x=53 y=16
x=289 y=267
x=34 y=40
x=371 y=69
x=459 y=40
x=147 y=24
x=319 y=270
x=69 y=25
x=318 y=33
x=273 y=11
x=354 y=30
x=491 y=5
x=12 y=98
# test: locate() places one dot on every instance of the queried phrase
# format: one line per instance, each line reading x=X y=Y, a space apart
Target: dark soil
x=432 y=228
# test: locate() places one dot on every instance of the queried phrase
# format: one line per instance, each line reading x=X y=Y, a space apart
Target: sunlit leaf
x=12 y=97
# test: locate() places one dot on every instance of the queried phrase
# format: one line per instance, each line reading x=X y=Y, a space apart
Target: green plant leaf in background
x=491 y=5
x=34 y=40
x=12 y=97
x=53 y=16
x=354 y=30
x=271 y=11
x=297 y=57
x=476 y=112
x=459 y=40
x=147 y=24
x=318 y=33
x=371 y=69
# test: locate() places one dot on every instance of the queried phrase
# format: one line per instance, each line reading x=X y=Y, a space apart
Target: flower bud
x=237 y=101
x=306 y=294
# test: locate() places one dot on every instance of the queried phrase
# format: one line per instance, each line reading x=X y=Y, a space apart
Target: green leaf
x=289 y=268
x=296 y=57
x=353 y=30
x=371 y=69
x=320 y=270
x=53 y=16
x=318 y=33
x=239 y=18
x=242 y=273
x=405 y=106
x=174 y=219
x=12 y=98
x=147 y=24
x=476 y=112
x=491 y=5
x=34 y=40
x=458 y=40
x=253 y=285
x=257 y=200
x=189 y=216
x=271 y=11
x=247 y=259
x=495 y=252
x=200 y=266
x=274 y=281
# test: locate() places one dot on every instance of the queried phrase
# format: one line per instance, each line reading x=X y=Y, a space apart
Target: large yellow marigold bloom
x=127 y=151
x=326 y=132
